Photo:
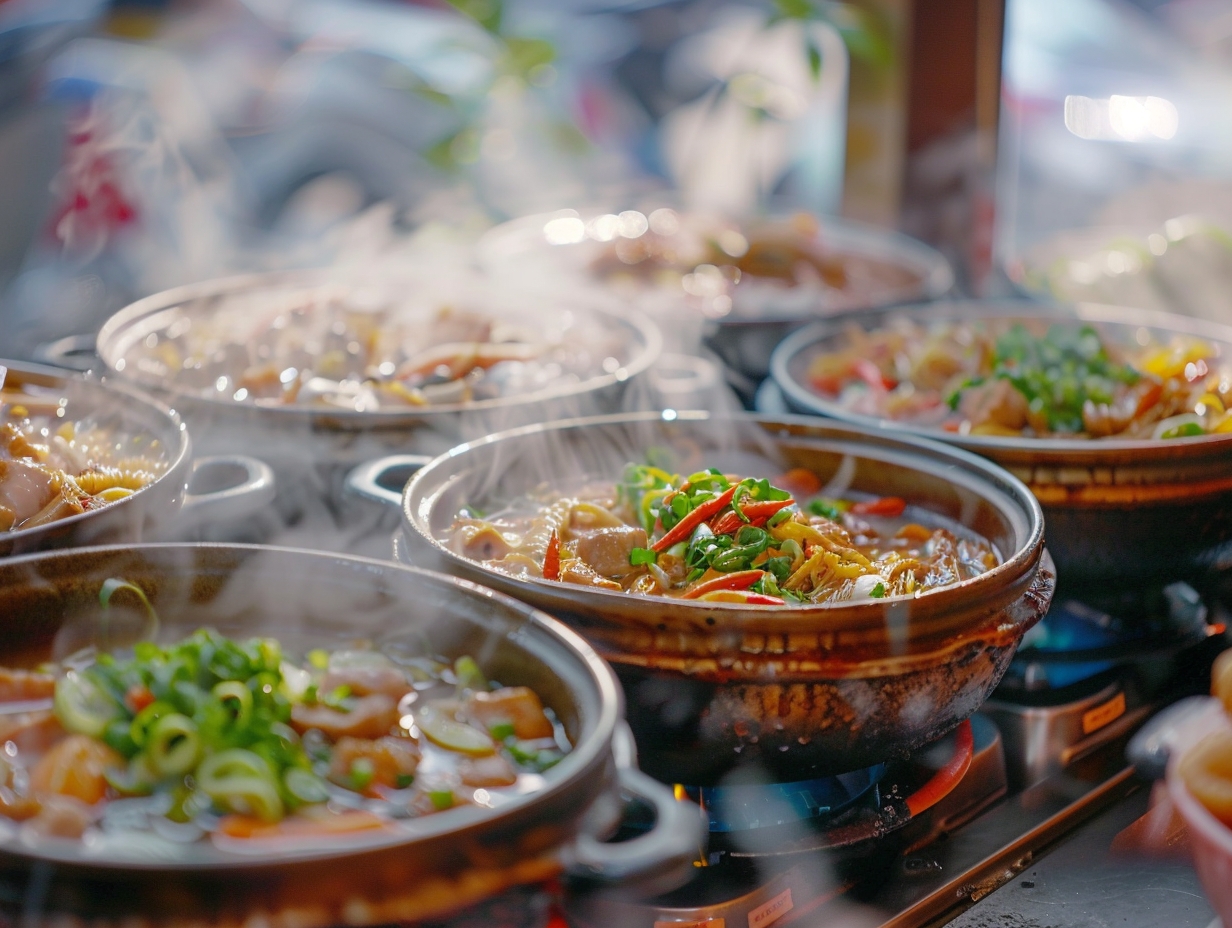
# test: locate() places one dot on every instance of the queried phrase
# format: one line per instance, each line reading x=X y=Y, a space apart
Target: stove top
x=1045 y=763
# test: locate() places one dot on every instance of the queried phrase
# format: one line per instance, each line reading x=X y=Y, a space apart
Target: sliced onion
x=1172 y=422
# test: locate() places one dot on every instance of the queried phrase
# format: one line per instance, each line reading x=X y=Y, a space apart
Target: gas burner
x=1093 y=669
x=736 y=807
x=1080 y=639
x=758 y=874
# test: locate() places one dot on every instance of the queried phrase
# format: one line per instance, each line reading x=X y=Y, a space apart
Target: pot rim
x=1003 y=447
x=418 y=499
x=846 y=236
x=177 y=459
x=586 y=755
x=109 y=343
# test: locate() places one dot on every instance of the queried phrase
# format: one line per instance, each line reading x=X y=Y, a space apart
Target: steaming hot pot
x=228 y=486
x=426 y=868
x=743 y=285
x=311 y=442
x=804 y=690
x=1119 y=511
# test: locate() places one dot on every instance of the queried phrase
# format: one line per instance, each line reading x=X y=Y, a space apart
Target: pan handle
x=670 y=846
x=73 y=352
x=235 y=486
x=374 y=480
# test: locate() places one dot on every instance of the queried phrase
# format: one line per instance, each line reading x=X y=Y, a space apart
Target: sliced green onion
x=470 y=677
x=305 y=786
x=878 y=591
x=83 y=706
x=359 y=777
x=140 y=726
x=501 y=730
x=241 y=781
x=640 y=556
x=236 y=698
x=113 y=585
x=442 y=799
x=318 y=658
x=173 y=746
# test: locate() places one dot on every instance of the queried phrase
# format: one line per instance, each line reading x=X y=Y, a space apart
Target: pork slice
x=25 y=488
x=607 y=550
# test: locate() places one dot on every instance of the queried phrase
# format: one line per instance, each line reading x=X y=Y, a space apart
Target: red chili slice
x=739 y=580
x=871 y=374
x=884 y=506
x=551 y=558
x=684 y=528
x=758 y=512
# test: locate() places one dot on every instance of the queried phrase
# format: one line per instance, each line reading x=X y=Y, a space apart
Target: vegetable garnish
x=241 y=739
x=716 y=537
x=1004 y=378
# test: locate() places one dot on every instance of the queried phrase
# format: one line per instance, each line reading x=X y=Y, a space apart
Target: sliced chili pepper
x=138 y=697
x=758 y=512
x=1149 y=397
x=740 y=580
x=551 y=558
x=883 y=506
x=871 y=374
x=684 y=528
x=828 y=384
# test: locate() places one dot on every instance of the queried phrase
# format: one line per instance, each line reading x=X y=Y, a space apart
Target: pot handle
x=73 y=352
x=673 y=842
x=372 y=480
x=237 y=487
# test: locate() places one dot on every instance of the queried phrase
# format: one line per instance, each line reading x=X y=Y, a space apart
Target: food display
x=54 y=464
x=341 y=346
x=713 y=537
x=227 y=740
x=1030 y=378
x=744 y=267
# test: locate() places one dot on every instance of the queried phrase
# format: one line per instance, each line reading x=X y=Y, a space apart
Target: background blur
x=1073 y=147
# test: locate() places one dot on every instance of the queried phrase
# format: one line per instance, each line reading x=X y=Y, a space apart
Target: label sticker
x=1097 y=718
x=772 y=911
x=708 y=923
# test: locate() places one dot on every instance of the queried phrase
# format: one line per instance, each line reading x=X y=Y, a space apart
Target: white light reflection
x=603 y=228
x=1121 y=118
x=567 y=230
x=632 y=224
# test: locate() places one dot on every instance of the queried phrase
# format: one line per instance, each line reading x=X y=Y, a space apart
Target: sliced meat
x=487 y=771
x=364 y=681
x=61 y=817
x=370 y=717
x=480 y=541
x=578 y=571
x=74 y=767
x=607 y=550
x=515 y=705
x=19 y=685
x=392 y=763
x=26 y=489
x=995 y=402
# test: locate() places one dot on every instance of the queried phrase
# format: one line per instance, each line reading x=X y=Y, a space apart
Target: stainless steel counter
x=1082 y=882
